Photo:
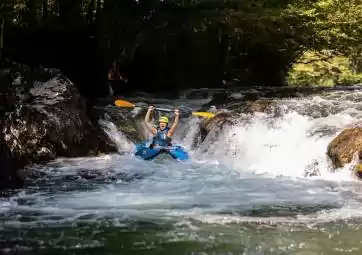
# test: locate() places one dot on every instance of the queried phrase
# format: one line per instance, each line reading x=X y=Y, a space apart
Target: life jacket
x=161 y=137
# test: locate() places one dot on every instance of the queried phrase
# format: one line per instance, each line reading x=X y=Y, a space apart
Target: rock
x=49 y=120
x=261 y=105
x=240 y=98
x=342 y=148
x=244 y=102
x=218 y=122
x=9 y=177
x=220 y=100
x=125 y=120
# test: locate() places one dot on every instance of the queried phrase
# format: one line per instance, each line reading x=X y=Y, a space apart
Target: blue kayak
x=144 y=151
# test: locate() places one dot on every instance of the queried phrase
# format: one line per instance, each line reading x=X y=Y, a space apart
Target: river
x=243 y=192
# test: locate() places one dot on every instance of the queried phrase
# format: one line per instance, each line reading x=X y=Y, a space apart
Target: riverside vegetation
x=188 y=43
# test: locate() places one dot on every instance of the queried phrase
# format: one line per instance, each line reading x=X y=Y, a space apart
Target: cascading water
x=244 y=191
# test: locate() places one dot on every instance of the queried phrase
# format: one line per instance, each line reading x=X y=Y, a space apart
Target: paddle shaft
x=182 y=114
x=123 y=103
x=163 y=109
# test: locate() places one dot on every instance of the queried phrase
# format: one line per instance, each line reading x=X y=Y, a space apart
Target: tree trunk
x=2 y=25
x=31 y=14
x=45 y=10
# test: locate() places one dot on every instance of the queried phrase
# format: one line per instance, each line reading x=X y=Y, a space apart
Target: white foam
x=255 y=163
x=123 y=144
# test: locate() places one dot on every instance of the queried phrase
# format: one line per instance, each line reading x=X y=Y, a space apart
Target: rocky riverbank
x=43 y=116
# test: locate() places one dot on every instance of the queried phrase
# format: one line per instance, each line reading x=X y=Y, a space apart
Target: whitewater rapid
x=253 y=172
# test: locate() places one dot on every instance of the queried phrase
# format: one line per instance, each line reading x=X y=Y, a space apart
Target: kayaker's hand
x=177 y=112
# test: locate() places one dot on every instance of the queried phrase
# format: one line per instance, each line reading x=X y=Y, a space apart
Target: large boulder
x=343 y=147
x=9 y=177
x=216 y=124
x=49 y=119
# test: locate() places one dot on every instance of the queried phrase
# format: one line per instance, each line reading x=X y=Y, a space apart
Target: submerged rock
x=49 y=120
x=236 y=106
x=261 y=105
x=343 y=147
x=312 y=169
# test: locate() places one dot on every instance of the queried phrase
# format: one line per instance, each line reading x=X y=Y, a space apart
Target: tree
x=5 y=14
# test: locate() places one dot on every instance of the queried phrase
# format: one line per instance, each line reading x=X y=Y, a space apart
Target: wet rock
x=125 y=120
x=342 y=148
x=217 y=123
x=239 y=98
x=244 y=102
x=234 y=106
x=54 y=123
x=220 y=100
x=9 y=177
x=48 y=119
x=261 y=105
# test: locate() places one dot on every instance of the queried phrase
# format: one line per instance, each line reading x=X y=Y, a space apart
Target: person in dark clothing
x=117 y=82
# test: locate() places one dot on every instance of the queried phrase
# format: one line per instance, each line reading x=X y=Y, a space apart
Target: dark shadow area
x=159 y=45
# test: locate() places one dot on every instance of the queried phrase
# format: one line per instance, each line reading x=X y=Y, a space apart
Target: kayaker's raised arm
x=148 y=120
x=175 y=123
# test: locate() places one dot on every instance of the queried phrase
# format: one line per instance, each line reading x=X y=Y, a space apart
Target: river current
x=242 y=192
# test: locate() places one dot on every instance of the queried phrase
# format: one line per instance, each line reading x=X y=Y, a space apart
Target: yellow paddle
x=126 y=104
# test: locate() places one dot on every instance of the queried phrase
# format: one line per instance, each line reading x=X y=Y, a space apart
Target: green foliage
x=336 y=23
x=322 y=69
x=218 y=37
x=337 y=29
x=5 y=14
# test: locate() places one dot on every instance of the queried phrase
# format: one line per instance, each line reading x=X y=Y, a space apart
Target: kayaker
x=163 y=133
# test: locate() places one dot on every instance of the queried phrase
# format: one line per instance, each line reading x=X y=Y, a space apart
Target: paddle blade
x=204 y=114
x=123 y=103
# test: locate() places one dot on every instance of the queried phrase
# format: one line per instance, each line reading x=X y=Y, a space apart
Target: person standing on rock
x=116 y=81
x=163 y=133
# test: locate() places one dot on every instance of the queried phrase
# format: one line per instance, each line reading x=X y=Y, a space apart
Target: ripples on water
x=244 y=194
